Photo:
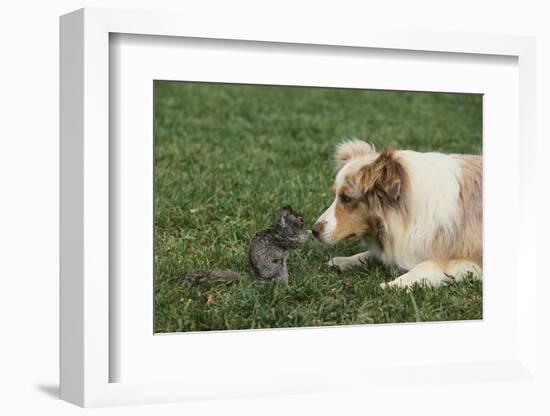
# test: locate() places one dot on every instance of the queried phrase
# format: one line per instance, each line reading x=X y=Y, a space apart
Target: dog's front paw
x=400 y=283
x=392 y=283
x=341 y=263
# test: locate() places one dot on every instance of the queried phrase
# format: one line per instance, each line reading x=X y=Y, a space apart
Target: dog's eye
x=345 y=199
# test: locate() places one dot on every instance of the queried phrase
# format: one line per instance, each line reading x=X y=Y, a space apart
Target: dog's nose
x=317 y=229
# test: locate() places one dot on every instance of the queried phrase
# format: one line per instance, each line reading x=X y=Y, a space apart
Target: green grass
x=228 y=157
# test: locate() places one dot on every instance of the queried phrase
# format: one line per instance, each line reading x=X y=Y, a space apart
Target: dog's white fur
x=433 y=209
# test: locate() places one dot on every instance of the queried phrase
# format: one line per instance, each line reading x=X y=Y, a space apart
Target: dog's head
x=368 y=186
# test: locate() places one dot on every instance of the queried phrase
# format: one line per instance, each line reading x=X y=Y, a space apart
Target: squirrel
x=267 y=252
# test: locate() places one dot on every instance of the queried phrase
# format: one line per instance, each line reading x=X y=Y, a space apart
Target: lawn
x=228 y=157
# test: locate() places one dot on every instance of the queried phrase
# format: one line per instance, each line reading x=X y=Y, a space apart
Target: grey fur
x=214 y=275
x=267 y=253
x=269 y=248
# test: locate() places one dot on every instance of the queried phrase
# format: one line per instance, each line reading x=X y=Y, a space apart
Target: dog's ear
x=385 y=178
x=349 y=149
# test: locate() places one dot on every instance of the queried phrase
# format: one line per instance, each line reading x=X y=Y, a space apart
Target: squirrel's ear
x=349 y=149
x=282 y=219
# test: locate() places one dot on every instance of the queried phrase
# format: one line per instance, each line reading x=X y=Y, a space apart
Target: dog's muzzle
x=317 y=229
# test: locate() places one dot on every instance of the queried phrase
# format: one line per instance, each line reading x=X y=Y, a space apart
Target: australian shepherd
x=422 y=212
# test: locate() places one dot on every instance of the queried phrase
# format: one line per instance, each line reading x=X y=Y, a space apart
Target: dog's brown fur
x=435 y=216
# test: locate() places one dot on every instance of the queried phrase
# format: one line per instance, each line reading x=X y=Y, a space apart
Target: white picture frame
x=86 y=353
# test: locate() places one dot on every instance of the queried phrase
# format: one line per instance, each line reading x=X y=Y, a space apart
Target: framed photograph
x=275 y=212
x=236 y=258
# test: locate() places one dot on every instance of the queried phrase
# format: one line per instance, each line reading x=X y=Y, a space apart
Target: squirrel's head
x=291 y=225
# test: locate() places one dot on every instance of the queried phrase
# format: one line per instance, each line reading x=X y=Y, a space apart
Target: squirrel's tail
x=210 y=275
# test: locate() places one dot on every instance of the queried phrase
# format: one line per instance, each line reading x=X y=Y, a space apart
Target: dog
x=421 y=212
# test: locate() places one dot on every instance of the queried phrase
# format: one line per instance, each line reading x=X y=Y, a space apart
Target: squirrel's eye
x=345 y=199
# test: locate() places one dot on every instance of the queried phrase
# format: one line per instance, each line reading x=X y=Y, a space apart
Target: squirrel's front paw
x=341 y=263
